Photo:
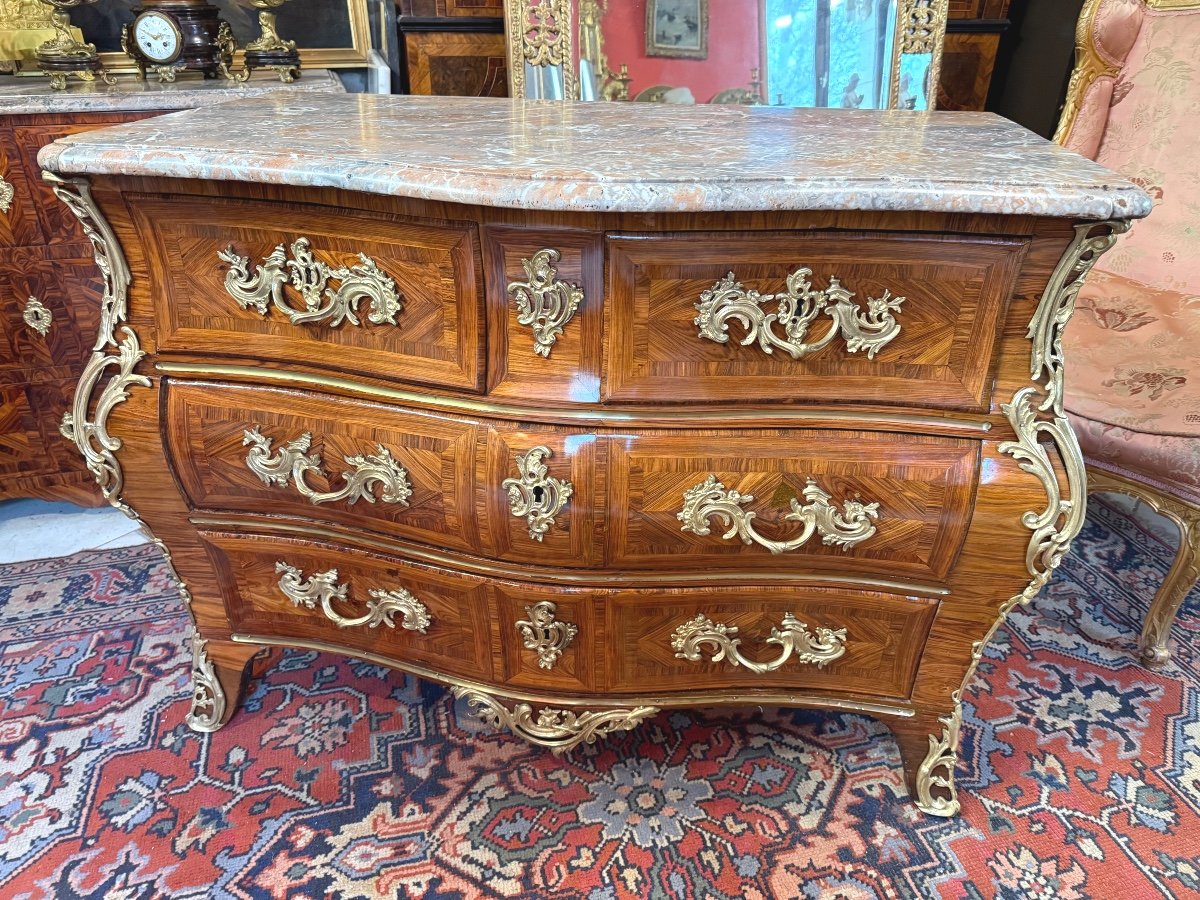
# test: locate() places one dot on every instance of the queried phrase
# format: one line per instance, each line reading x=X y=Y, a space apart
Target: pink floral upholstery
x=1116 y=27
x=1133 y=386
x=1150 y=138
x=1133 y=390
x=1088 y=130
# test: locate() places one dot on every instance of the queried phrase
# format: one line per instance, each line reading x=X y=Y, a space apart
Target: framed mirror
x=860 y=54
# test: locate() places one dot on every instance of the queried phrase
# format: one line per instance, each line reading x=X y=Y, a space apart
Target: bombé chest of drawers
x=49 y=287
x=767 y=412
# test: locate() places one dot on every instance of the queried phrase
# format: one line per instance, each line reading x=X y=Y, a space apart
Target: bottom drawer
x=275 y=587
x=646 y=641
x=828 y=639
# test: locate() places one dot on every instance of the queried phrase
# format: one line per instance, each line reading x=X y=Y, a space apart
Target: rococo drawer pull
x=293 y=461
x=557 y=729
x=543 y=301
x=545 y=635
x=37 y=316
x=844 y=528
x=311 y=278
x=323 y=588
x=793 y=636
x=536 y=495
x=6 y=195
x=798 y=308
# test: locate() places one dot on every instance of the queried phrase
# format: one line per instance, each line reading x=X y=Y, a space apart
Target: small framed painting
x=677 y=28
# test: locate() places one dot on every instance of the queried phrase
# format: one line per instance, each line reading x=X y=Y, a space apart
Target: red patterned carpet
x=1080 y=775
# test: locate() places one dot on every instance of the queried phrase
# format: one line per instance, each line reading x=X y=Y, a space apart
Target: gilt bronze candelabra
x=63 y=55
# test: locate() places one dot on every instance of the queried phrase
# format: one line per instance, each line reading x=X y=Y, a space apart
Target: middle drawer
x=854 y=506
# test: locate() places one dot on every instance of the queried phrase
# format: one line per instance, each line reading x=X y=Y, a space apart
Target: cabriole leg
x=218 y=668
x=929 y=747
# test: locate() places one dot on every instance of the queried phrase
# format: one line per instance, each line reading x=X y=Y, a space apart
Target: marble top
x=615 y=157
x=31 y=95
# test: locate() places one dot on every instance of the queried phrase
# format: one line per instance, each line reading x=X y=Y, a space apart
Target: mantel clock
x=169 y=36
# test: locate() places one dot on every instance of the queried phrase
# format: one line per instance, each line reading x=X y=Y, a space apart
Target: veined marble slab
x=615 y=157
x=21 y=96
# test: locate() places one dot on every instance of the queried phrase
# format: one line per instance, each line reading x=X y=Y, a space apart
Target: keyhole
x=539 y=494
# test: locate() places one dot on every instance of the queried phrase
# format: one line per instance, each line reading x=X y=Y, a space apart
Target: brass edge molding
x=600 y=578
x=293 y=462
x=1089 y=66
x=793 y=636
x=323 y=588
x=1173 y=5
x=37 y=316
x=843 y=528
x=540 y=33
x=76 y=193
x=310 y=277
x=799 y=306
x=208 y=699
x=7 y=193
x=1058 y=302
x=921 y=25
x=1184 y=573
x=544 y=303
x=545 y=635
x=536 y=495
x=558 y=730
x=613 y=418
x=748 y=697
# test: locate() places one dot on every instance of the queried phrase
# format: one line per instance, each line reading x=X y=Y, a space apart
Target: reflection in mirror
x=826 y=53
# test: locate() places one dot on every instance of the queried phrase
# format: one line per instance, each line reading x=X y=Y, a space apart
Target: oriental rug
x=1080 y=770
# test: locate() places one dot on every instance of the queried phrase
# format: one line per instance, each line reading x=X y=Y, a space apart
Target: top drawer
x=344 y=290
x=720 y=317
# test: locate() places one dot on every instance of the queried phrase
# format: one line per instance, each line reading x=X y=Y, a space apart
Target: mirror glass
x=858 y=54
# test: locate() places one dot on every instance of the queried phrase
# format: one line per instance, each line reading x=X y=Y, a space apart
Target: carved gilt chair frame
x=1182 y=511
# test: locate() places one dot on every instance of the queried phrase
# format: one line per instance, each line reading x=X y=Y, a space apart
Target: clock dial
x=157 y=37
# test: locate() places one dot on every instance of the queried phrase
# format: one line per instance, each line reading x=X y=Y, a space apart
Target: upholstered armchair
x=1134 y=343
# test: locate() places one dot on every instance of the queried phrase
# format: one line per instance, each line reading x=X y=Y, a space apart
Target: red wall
x=734 y=33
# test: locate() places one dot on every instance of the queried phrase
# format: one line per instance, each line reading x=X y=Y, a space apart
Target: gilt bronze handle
x=294 y=462
x=843 y=527
x=798 y=307
x=826 y=645
x=323 y=588
x=310 y=277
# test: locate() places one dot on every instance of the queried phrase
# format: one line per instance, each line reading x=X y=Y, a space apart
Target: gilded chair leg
x=1184 y=573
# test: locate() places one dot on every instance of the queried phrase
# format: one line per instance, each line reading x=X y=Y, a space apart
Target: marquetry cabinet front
x=584 y=468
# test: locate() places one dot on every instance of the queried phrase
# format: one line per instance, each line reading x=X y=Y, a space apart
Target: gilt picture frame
x=677 y=28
